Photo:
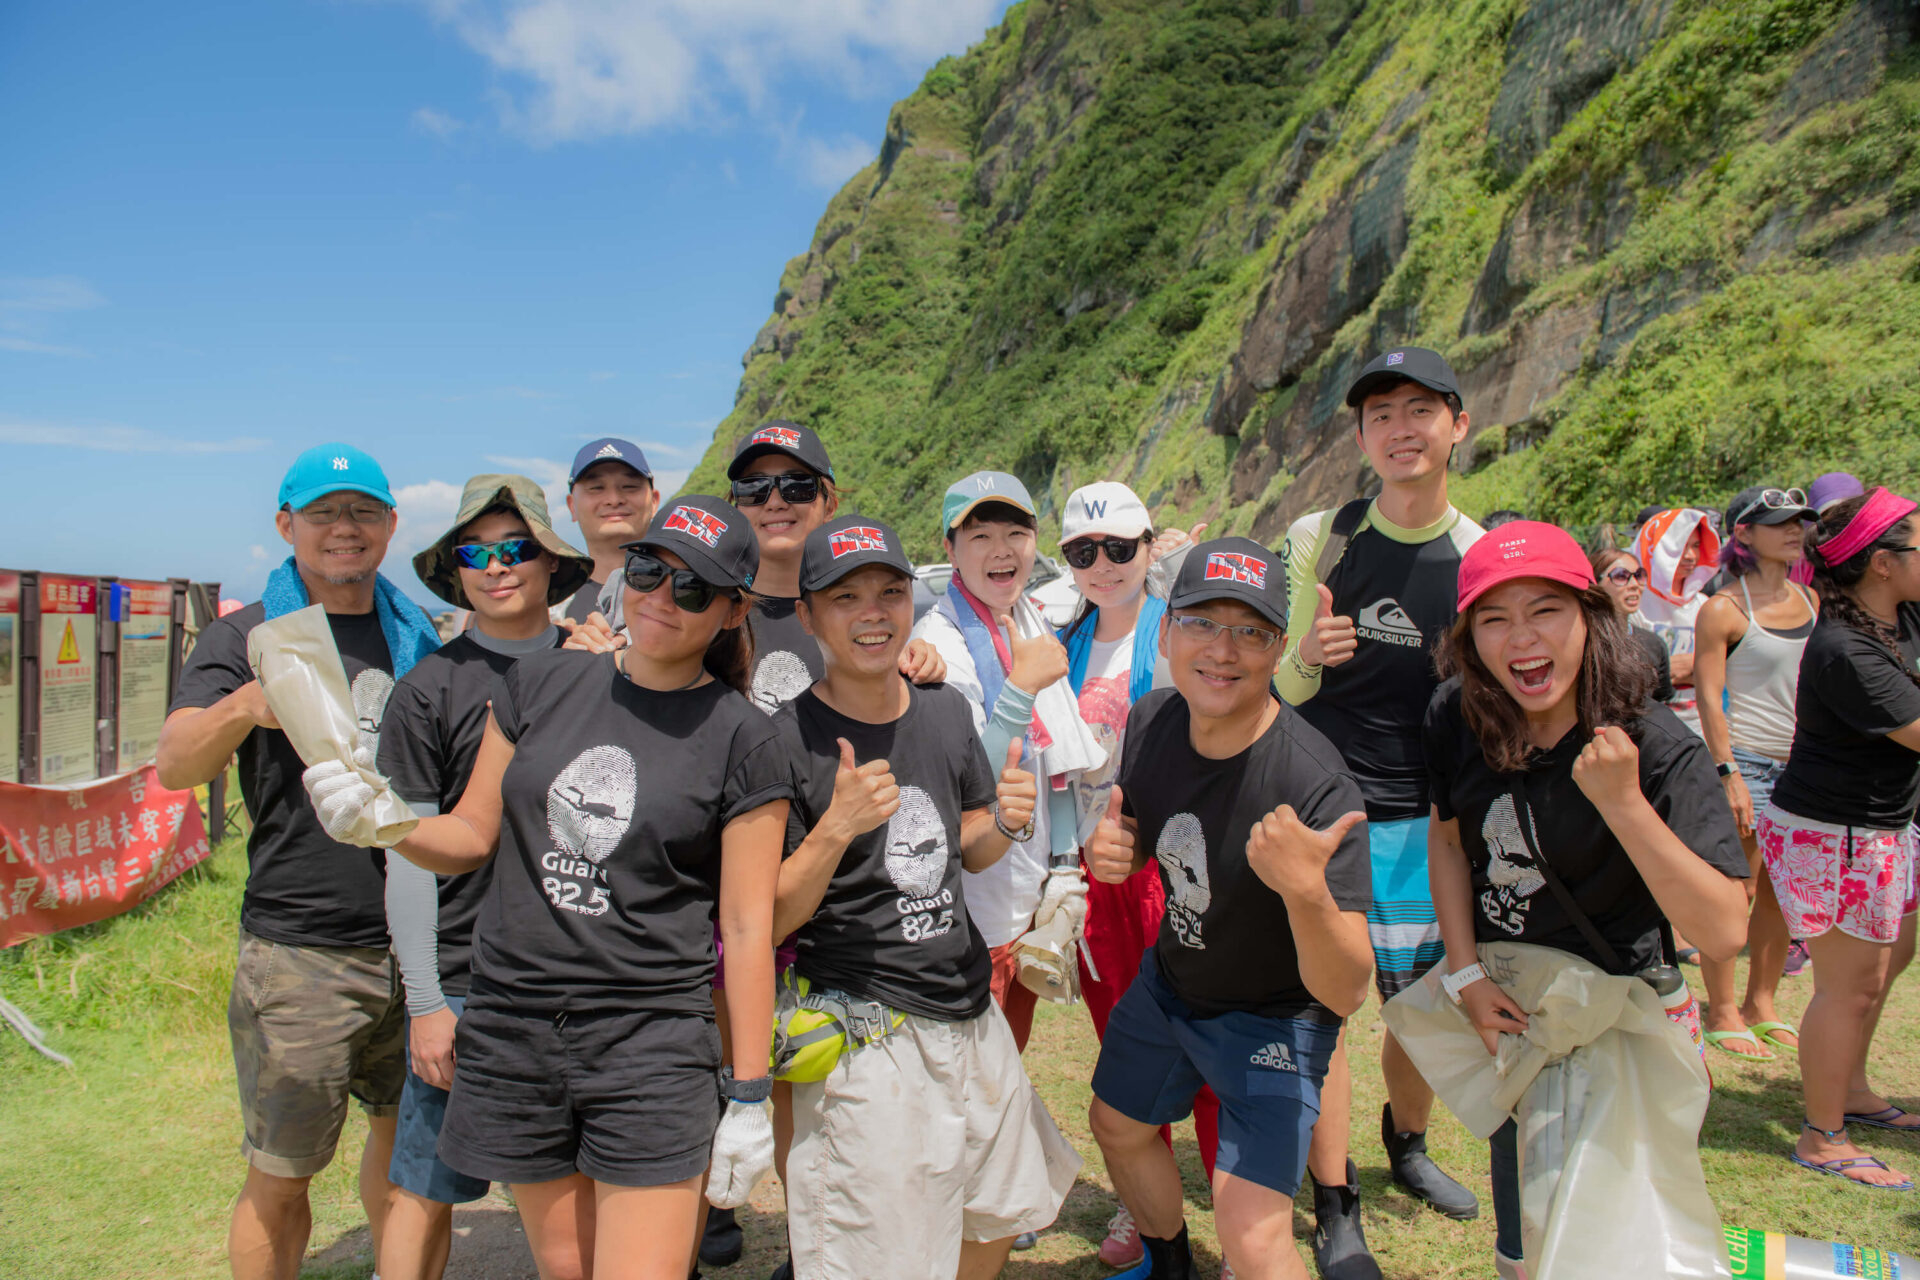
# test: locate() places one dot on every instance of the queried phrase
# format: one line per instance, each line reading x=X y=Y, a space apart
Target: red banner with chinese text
x=73 y=855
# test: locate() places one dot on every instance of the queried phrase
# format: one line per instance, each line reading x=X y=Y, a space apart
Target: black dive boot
x=1339 y=1244
x=1165 y=1259
x=723 y=1242
x=1416 y=1173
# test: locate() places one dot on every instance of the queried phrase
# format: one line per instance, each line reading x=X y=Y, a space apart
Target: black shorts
x=630 y=1099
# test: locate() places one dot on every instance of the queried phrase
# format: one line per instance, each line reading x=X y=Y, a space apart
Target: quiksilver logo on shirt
x=1386 y=621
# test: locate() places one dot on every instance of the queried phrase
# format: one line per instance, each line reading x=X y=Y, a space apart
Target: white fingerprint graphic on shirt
x=1182 y=851
x=371 y=689
x=916 y=845
x=1511 y=870
x=590 y=804
x=778 y=678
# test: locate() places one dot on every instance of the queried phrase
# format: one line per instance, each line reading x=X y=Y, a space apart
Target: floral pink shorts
x=1859 y=880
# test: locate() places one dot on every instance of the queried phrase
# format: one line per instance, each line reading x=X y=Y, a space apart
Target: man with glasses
x=1257 y=831
x=610 y=495
x=1376 y=579
x=316 y=1012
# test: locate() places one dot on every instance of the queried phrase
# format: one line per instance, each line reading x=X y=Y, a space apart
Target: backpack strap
x=1345 y=523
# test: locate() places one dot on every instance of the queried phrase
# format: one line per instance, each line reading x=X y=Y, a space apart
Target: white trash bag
x=300 y=673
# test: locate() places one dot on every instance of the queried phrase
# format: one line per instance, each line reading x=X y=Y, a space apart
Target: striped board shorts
x=1401 y=924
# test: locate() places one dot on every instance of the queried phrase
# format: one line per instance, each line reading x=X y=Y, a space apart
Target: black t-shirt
x=1654 y=649
x=304 y=889
x=1225 y=943
x=1843 y=769
x=893 y=925
x=585 y=602
x=785 y=658
x=428 y=742
x=1510 y=821
x=608 y=875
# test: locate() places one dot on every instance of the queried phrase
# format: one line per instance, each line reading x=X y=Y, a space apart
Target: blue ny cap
x=331 y=468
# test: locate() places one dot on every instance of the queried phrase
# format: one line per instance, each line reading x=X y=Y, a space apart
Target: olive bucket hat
x=441 y=572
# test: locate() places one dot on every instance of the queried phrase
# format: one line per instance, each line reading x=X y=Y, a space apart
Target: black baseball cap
x=1234 y=569
x=781 y=436
x=710 y=535
x=608 y=449
x=1748 y=507
x=1403 y=364
x=840 y=546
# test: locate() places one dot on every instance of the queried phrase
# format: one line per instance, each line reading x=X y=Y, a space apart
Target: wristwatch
x=1018 y=837
x=1460 y=979
x=745 y=1090
x=1726 y=770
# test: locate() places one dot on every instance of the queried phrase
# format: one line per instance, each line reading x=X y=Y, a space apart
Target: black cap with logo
x=1403 y=364
x=710 y=535
x=1234 y=569
x=781 y=436
x=840 y=546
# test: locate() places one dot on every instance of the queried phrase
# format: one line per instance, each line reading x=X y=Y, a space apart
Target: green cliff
x=1672 y=246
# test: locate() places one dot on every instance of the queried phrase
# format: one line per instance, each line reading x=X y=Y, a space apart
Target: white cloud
x=29 y=303
x=436 y=124
x=109 y=438
x=574 y=69
x=830 y=164
x=31 y=347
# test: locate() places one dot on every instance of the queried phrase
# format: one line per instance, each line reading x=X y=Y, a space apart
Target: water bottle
x=1768 y=1255
x=1676 y=997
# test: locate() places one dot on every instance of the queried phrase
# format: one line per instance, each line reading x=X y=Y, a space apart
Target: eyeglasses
x=368 y=512
x=1203 y=630
x=1082 y=552
x=1773 y=500
x=691 y=592
x=797 y=488
x=508 y=551
x=1623 y=575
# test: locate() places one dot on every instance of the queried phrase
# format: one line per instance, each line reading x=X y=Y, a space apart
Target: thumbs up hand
x=1018 y=793
x=1111 y=851
x=1290 y=857
x=1331 y=639
x=864 y=796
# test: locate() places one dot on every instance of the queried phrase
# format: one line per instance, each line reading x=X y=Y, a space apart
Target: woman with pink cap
x=1836 y=835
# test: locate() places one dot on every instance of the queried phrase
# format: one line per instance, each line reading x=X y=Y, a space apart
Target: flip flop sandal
x=1717 y=1039
x=1838 y=1169
x=1767 y=1030
x=1888 y=1119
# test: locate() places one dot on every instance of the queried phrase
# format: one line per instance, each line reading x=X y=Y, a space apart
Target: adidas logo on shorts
x=1276 y=1055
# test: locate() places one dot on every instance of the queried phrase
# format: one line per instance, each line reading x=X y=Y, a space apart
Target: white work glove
x=742 y=1153
x=340 y=795
x=1065 y=890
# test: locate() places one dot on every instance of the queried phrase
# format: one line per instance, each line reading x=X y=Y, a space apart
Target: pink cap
x=1522 y=549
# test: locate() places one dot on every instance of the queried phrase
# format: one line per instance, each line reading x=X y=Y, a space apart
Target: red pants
x=1122 y=922
x=1014 y=999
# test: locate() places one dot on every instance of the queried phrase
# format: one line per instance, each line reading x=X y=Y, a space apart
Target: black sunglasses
x=1082 y=552
x=797 y=489
x=691 y=592
x=510 y=551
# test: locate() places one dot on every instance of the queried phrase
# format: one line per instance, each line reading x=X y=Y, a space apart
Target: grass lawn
x=126 y=1165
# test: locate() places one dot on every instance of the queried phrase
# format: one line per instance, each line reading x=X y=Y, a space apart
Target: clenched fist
x=1608 y=770
x=1290 y=857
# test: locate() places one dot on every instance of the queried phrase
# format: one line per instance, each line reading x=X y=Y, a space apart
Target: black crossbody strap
x=1564 y=896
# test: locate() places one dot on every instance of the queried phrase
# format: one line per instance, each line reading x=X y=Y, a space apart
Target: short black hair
x=1454 y=404
x=993 y=513
x=1494 y=519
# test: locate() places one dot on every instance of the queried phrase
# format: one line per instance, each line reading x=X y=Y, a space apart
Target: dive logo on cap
x=1237 y=567
x=779 y=437
x=845 y=542
x=1396 y=357
x=700 y=524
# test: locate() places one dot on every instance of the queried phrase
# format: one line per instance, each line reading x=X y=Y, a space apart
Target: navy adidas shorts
x=1265 y=1071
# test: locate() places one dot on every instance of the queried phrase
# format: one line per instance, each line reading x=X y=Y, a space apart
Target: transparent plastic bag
x=1608 y=1094
x=300 y=672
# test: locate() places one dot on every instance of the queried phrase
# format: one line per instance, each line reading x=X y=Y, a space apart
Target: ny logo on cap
x=845 y=542
x=340 y=464
x=608 y=450
x=697 y=523
x=781 y=437
x=1235 y=567
x=1396 y=357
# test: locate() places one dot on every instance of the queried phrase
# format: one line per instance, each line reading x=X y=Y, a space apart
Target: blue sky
x=465 y=235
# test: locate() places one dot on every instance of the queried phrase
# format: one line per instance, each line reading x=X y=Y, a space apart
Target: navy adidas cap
x=1403 y=364
x=840 y=546
x=1233 y=569
x=608 y=449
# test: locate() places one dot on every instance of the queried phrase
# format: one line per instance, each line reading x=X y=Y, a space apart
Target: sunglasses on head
x=508 y=551
x=797 y=488
x=691 y=592
x=1624 y=575
x=1082 y=552
x=1773 y=500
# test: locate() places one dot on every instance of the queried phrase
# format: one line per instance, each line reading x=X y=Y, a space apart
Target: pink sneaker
x=1122 y=1247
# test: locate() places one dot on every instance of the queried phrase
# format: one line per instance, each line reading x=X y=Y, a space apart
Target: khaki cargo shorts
x=312 y=1026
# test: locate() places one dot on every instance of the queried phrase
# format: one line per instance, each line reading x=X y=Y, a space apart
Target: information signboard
x=69 y=652
x=146 y=631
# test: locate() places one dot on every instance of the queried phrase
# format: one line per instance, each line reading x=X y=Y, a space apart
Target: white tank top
x=1763 y=674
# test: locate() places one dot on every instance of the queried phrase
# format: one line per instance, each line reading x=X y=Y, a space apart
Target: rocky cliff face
x=1670 y=245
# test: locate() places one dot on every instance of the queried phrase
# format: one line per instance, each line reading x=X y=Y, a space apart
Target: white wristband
x=1460 y=979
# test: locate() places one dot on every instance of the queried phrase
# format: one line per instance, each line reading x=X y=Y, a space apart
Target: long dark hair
x=1837 y=583
x=1614 y=682
x=729 y=655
